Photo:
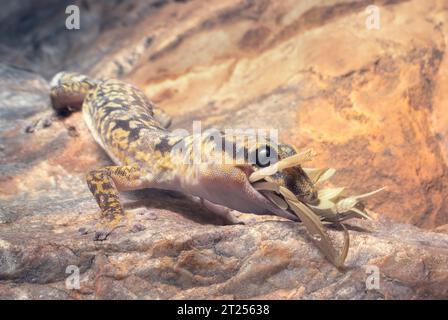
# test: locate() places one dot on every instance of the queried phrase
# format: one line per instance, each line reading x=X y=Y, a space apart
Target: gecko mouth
x=262 y=182
x=269 y=194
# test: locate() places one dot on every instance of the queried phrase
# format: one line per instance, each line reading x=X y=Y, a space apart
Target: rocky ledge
x=173 y=248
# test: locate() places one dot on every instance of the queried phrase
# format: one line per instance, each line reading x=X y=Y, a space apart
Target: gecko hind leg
x=105 y=184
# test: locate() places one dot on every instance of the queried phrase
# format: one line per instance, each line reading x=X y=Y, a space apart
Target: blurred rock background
x=371 y=102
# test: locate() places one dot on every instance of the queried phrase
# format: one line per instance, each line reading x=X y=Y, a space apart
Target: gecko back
x=119 y=115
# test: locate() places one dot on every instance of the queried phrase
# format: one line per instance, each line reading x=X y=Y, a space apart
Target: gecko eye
x=265 y=156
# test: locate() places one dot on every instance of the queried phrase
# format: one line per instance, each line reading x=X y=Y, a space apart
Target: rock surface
x=371 y=102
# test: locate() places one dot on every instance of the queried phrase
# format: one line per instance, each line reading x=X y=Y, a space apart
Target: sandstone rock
x=371 y=102
x=173 y=248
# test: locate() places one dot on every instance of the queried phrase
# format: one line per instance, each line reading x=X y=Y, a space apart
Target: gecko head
x=294 y=178
x=229 y=185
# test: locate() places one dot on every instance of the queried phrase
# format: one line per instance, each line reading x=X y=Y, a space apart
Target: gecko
x=145 y=154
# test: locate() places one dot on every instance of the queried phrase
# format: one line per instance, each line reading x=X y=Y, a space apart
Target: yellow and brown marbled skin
x=123 y=121
x=133 y=132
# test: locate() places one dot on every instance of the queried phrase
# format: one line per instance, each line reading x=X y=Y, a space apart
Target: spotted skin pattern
x=104 y=184
x=133 y=132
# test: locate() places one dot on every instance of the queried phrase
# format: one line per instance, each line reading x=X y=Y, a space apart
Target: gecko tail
x=68 y=90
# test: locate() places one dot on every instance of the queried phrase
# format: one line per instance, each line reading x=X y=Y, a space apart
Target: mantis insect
x=331 y=206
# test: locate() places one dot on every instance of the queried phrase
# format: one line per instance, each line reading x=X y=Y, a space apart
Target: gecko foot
x=101 y=235
x=232 y=218
x=243 y=219
x=103 y=229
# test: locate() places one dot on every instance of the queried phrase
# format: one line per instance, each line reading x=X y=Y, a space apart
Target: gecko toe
x=101 y=235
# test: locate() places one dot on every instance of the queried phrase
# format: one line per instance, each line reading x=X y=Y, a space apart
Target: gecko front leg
x=105 y=184
x=226 y=213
